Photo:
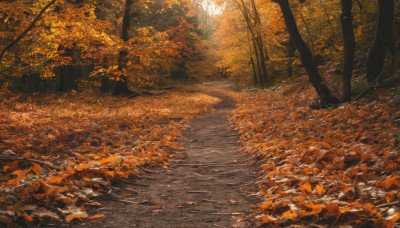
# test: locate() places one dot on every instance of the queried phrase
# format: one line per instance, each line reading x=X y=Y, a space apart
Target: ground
x=209 y=184
x=201 y=156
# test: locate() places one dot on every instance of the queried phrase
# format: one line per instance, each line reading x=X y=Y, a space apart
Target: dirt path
x=207 y=187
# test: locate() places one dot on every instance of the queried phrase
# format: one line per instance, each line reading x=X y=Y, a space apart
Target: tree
x=383 y=36
x=121 y=85
x=306 y=55
x=67 y=35
x=258 y=49
x=346 y=19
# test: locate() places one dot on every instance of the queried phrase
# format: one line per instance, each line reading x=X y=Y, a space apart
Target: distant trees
x=130 y=43
x=323 y=31
x=258 y=50
x=376 y=57
x=127 y=43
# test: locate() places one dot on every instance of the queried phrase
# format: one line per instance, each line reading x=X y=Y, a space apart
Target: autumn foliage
x=333 y=166
x=59 y=152
x=319 y=163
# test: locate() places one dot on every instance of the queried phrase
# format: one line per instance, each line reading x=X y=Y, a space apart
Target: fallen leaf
x=27 y=217
x=289 y=215
x=96 y=216
x=319 y=188
x=266 y=205
x=306 y=188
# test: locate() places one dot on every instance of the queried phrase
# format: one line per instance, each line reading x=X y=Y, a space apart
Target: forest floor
x=200 y=156
x=207 y=185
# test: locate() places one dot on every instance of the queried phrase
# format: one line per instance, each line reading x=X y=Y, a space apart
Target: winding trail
x=207 y=186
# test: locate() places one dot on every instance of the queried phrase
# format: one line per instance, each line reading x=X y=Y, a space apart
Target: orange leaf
x=306 y=188
x=71 y=217
x=51 y=137
x=81 y=167
x=316 y=208
x=390 y=196
x=111 y=159
x=363 y=167
x=325 y=146
x=299 y=199
x=27 y=217
x=54 y=180
x=266 y=205
x=395 y=218
x=289 y=214
x=36 y=167
x=320 y=189
x=96 y=216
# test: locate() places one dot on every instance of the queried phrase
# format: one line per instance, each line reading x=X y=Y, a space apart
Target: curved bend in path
x=207 y=187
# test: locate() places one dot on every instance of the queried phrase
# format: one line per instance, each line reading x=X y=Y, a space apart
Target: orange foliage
x=335 y=166
x=93 y=142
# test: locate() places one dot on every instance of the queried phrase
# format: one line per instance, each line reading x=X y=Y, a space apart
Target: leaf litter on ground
x=337 y=166
x=82 y=144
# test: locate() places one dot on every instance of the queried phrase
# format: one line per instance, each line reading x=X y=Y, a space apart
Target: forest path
x=206 y=186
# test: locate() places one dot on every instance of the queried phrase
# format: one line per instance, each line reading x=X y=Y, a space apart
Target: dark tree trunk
x=306 y=56
x=346 y=19
x=255 y=80
x=384 y=31
x=106 y=85
x=121 y=86
x=395 y=44
x=179 y=72
x=66 y=78
x=291 y=51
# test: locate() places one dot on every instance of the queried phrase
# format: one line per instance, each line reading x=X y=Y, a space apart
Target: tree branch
x=26 y=30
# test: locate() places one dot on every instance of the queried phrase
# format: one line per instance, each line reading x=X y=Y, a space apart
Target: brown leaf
x=332 y=210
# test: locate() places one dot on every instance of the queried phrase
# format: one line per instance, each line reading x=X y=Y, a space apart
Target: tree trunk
x=346 y=19
x=305 y=55
x=395 y=44
x=384 y=31
x=255 y=80
x=291 y=51
x=262 y=48
x=121 y=86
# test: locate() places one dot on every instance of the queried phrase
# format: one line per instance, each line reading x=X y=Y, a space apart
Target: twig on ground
x=388 y=204
x=202 y=192
x=197 y=174
x=132 y=183
x=150 y=171
x=119 y=199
